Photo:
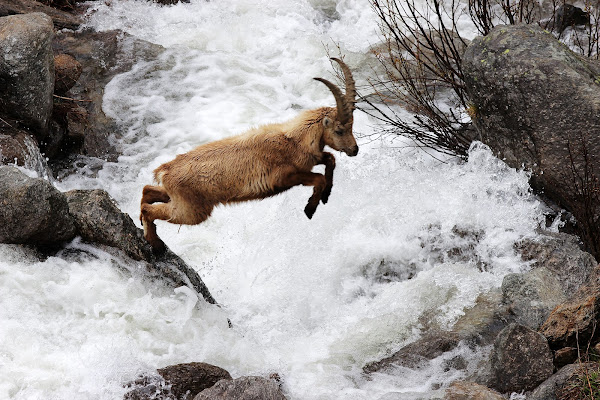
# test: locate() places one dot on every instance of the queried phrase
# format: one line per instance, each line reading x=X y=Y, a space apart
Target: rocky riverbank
x=536 y=105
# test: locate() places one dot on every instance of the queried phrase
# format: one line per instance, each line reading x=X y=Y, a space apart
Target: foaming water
x=403 y=238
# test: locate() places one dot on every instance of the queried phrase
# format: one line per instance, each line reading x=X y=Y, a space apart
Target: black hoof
x=309 y=211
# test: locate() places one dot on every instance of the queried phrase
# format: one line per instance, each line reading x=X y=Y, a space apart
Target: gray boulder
x=27 y=70
x=550 y=388
x=101 y=56
x=521 y=360
x=32 y=211
x=560 y=254
x=101 y=222
x=531 y=296
x=536 y=104
x=17 y=147
x=462 y=390
x=245 y=388
x=60 y=18
x=417 y=353
x=177 y=381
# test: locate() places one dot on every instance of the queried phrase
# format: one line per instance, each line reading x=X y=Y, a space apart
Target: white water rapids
x=312 y=300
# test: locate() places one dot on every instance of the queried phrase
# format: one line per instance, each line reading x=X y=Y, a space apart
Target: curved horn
x=350 y=96
x=339 y=99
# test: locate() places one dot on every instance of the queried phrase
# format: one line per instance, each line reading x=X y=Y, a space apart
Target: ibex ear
x=327 y=122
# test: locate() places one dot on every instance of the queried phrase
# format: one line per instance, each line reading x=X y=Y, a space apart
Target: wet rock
x=561 y=254
x=479 y=326
x=102 y=55
x=536 y=104
x=245 y=388
x=482 y=322
x=98 y=220
x=178 y=381
x=550 y=389
x=568 y=15
x=67 y=71
x=32 y=211
x=531 y=296
x=27 y=70
x=61 y=19
x=462 y=390
x=521 y=360
x=573 y=322
x=416 y=354
x=17 y=147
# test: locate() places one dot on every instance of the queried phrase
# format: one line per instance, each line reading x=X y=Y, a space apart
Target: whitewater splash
x=313 y=300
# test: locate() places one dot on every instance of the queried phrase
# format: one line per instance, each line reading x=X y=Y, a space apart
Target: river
x=406 y=241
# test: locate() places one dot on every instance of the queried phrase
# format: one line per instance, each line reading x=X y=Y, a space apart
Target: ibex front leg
x=319 y=183
x=329 y=161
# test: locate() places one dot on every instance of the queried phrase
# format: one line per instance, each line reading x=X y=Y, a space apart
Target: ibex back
x=259 y=163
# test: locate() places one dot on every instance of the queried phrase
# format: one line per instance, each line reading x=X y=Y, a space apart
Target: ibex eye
x=339 y=132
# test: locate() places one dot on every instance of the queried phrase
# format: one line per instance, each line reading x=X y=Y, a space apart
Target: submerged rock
x=32 y=211
x=178 y=381
x=521 y=360
x=245 y=388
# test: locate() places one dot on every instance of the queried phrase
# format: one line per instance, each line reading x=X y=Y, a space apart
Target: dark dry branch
x=421 y=65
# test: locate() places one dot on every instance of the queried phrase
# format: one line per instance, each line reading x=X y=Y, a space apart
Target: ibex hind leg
x=153 y=194
x=150 y=213
x=178 y=213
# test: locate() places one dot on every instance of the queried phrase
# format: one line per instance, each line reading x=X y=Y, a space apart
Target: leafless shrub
x=585 y=189
x=421 y=58
x=420 y=63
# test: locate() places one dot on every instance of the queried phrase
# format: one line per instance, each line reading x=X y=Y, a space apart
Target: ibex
x=257 y=164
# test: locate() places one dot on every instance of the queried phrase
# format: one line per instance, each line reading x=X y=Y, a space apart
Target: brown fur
x=257 y=164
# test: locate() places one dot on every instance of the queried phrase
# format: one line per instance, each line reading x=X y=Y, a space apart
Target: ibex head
x=338 y=132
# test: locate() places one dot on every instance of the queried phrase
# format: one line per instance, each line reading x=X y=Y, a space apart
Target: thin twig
x=70 y=98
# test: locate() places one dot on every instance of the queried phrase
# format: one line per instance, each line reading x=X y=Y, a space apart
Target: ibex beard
x=257 y=164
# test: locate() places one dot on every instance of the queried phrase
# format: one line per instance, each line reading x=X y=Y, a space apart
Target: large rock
x=551 y=387
x=418 y=353
x=27 y=70
x=536 y=104
x=531 y=296
x=17 y=147
x=245 y=388
x=60 y=18
x=101 y=55
x=560 y=254
x=179 y=381
x=32 y=211
x=100 y=221
x=520 y=360
x=479 y=326
x=573 y=323
x=462 y=390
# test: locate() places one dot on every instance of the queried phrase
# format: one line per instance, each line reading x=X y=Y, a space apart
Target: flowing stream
x=405 y=241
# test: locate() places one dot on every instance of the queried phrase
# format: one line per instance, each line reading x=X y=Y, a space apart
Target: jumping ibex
x=254 y=165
